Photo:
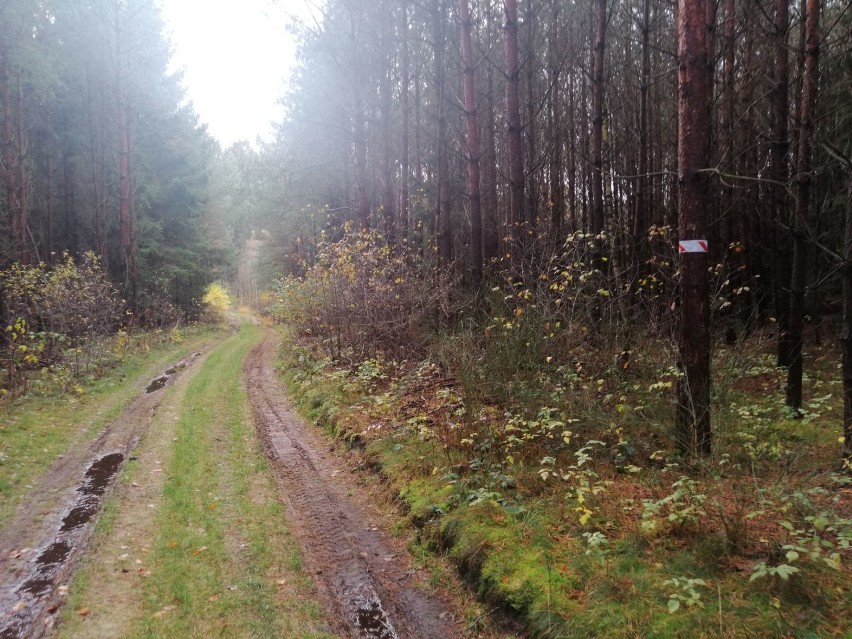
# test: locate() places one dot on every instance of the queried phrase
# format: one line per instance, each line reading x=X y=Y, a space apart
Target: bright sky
x=236 y=56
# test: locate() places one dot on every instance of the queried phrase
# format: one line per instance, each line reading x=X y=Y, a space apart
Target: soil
x=50 y=530
x=370 y=589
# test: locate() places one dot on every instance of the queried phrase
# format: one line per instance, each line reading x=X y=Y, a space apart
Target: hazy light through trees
x=236 y=58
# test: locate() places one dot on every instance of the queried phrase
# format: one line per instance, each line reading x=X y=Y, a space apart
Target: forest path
x=48 y=533
x=171 y=523
x=366 y=578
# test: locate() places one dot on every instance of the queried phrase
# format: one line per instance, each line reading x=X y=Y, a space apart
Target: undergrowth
x=557 y=491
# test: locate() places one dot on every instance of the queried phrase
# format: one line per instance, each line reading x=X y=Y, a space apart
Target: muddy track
x=49 y=532
x=370 y=590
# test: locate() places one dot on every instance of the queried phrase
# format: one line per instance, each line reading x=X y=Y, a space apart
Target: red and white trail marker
x=692 y=246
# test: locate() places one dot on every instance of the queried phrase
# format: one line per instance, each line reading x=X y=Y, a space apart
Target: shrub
x=56 y=314
x=362 y=296
x=216 y=301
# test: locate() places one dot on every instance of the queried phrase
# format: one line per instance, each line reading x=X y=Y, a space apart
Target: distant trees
x=97 y=151
x=572 y=110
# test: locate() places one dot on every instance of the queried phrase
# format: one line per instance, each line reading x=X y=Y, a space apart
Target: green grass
x=223 y=544
x=35 y=429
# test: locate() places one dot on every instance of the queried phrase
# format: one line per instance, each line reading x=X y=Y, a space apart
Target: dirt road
x=323 y=566
x=50 y=531
x=369 y=587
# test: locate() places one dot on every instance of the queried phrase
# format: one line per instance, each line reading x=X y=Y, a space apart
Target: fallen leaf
x=83 y=612
x=199 y=550
x=213 y=598
x=281 y=582
x=164 y=610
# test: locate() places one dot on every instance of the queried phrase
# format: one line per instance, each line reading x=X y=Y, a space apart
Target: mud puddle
x=161 y=381
x=369 y=590
x=96 y=481
x=371 y=620
x=52 y=563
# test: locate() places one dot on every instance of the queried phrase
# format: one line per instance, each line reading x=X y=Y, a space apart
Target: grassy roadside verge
x=597 y=549
x=35 y=429
x=223 y=562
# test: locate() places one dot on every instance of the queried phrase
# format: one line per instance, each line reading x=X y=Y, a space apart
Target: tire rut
x=44 y=540
x=370 y=591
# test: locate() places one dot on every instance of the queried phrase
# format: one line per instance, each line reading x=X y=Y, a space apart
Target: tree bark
x=692 y=430
x=9 y=155
x=443 y=199
x=405 y=182
x=471 y=114
x=22 y=181
x=642 y=221
x=517 y=218
x=803 y=191
x=388 y=203
x=491 y=220
x=779 y=147
x=846 y=335
x=533 y=192
x=125 y=222
x=557 y=179
x=596 y=150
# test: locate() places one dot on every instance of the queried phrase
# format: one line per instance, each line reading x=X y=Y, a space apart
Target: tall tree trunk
x=22 y=182
x=388 y=202
x=443 y=199
x=643 y=182
x=596 y=151
x=532 y=110
x=778 y=173
x=96 y=142
x=694 y=98
x=125 y=223
x=557 y=179
x=359 y=130
x=405 y=182
x=48 y=187
x=572 y=155
x=69 y=203
x=517 y=218
x=803 y=192
x=730 y=218
x=9 y=155
x=491 y=234
x=846 y=334
x=361 y=162
x=471 y=114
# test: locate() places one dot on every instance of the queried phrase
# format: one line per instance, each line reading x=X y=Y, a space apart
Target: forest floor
x=190 y=501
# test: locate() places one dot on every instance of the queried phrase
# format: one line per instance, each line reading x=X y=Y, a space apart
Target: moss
x=425 y=500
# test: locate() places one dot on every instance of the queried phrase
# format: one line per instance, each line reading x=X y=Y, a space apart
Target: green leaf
x=674 y=605
x=784 y=571
x=792 y=556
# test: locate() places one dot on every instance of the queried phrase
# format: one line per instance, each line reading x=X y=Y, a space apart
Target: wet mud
x=369 y=590
x=57 y=518
x=161 y=381
x=52 y=563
